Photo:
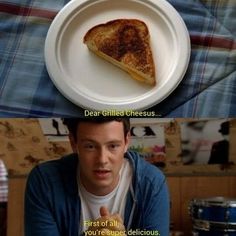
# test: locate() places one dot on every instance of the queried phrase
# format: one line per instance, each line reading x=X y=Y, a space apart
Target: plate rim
x=71 y=94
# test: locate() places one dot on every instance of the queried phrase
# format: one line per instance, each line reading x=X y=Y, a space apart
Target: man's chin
x=103 y=184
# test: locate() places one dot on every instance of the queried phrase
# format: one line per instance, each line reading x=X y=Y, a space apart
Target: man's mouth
x=102 y=174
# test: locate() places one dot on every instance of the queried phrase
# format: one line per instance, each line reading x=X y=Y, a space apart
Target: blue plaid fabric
x=207 y=90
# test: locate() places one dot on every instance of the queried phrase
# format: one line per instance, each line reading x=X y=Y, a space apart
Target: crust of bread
x=126 y=44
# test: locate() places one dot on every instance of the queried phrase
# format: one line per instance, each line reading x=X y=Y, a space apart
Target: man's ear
x=127 y=141
x=73 y=143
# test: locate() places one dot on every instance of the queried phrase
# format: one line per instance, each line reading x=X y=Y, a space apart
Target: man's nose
x=103 y=155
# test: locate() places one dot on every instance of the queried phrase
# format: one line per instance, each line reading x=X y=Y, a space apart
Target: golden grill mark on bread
x=125 y=43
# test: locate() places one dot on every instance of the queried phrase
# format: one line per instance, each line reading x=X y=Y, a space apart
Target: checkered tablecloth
x=207 y=90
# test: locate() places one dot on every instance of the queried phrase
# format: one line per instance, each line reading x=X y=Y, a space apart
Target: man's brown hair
x=72 y=123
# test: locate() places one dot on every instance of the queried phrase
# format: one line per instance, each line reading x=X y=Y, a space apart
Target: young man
x=101 y=189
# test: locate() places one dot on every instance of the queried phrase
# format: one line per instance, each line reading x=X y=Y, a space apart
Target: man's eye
x=89 y=146
x=114 y=146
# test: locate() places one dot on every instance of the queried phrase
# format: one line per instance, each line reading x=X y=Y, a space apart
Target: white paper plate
x=91 y=82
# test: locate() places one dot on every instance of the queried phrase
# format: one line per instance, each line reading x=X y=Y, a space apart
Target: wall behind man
x=24 y=145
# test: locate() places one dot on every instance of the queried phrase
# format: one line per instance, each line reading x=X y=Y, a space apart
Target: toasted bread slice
x=125 y=43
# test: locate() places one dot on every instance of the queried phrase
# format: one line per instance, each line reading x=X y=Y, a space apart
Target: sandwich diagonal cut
x=126 y=44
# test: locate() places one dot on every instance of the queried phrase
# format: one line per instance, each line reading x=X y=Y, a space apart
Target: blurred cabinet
x=15 y=213
x=183 y=189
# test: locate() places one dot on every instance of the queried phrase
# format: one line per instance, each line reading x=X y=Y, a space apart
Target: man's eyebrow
x=87 y=140
x=115 y=141
x=94 y=141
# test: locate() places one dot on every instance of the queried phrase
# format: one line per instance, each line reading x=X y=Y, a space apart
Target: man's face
x=101 y=149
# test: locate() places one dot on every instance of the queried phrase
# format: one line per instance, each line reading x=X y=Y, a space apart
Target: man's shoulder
x=143 y=169
x=64 y=160
x=147 y=178
x=64 y=164
x=55 y=174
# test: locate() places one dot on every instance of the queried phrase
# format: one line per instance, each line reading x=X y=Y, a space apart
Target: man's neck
x=102 y=191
